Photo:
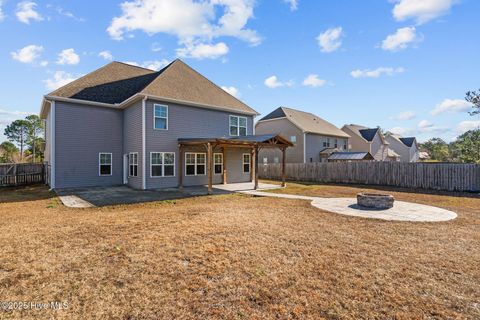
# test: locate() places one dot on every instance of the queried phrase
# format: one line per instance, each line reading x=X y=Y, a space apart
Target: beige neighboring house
x=309 y=133
x=406 y=147
x=363 y=139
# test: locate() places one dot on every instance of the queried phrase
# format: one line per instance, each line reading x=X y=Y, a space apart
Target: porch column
x=252 y=155
x=255 y=166
x=209 y=166
x=180 y=166
x=283 y=166
x=224 y=164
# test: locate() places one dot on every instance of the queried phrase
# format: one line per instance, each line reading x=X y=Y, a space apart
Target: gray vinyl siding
x=286 y=129
x=82 y=132
x=191 y=122
x=314 y=144
x=132 y=139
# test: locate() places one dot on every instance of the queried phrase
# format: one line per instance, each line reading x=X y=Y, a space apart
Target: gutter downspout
x=52 y=147
x=144 y=160
x=304 y=147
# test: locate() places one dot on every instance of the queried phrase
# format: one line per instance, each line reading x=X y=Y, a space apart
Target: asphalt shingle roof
x=409 y=141
x=116 y=82
x=307 y=122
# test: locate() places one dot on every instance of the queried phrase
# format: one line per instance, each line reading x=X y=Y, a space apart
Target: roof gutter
x=137 y=96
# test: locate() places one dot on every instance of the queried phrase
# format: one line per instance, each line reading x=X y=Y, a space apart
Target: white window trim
x=163 y=165
x=132 y=164
x=238 y=126
x=154 y=117
x=221 y=155
x=249 y=162
x=111 y=164
x=205 y=164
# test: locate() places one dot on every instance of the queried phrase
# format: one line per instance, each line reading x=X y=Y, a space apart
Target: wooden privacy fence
x=15 y=174
x=436 y=176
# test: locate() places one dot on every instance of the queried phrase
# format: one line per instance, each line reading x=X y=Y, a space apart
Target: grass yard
x=237 y=257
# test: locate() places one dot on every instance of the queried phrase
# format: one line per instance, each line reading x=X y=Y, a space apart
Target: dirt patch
x=237 y=257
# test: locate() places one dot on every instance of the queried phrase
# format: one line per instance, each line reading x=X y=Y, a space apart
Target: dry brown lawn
x=237 y=257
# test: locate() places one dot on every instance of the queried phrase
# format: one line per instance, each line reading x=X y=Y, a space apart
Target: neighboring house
x=424 y=156
x=309 y=134
x=363 y=139
x=123 y=124
x=407 y=148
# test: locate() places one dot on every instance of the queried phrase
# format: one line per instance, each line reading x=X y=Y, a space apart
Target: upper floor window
x=345 y=147
x=160 y=117
x=238 y=126
x=293 y=139
x=105 y=164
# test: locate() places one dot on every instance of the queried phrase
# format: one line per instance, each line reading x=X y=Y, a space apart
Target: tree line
x=466 y=148
x=25 y=141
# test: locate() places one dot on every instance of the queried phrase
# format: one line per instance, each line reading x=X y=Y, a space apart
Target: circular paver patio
x=401 y=211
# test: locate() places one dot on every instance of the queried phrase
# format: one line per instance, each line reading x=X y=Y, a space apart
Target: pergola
x=254 y=142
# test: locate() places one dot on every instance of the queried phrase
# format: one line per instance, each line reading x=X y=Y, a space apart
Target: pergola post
x=224 y=164
x=209 y=166
x=180 y=167
x=252 y=155
x=283 y=166
x=255 y=166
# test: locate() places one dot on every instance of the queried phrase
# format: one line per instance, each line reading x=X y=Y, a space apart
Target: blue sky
x=404 y=65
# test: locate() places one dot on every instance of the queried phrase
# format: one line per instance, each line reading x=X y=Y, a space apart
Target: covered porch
x=220 y=145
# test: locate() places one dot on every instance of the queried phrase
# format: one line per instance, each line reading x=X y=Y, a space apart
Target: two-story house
x=123 y=124
x=310 y=135
x=363 y=139
x=406 y=147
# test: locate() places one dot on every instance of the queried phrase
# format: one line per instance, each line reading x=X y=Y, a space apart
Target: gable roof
x=115 y=82
x=307 y=122
x=408 y=141
x=366 y=133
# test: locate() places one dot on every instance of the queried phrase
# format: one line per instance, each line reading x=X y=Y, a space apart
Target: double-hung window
x=218 y=163
x=133 y=164
x=195 y=164
x=246 y=163
x=105 y=164
x=238 y=126
x=162 y=164
x=160 y=117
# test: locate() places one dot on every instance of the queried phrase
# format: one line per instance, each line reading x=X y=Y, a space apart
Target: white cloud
x=273 y=82
x=367 y=73
x=423 y=127
x=151 y=64
x=6 y=116
x=312 y=80
x=194 y=23
x=292 y=3
x=403 y=116
x=401 y=39
x=26 y=12
x=203 y=51
x=66 y=13
x=451 y=105
x=60 y=78
x=156 y=47
x=28 y=54
x=330 y=40
x=2 y=16
x=107 y=55
x=68 y=56
x=232 y=90
x=465 y=126
x=421 y=10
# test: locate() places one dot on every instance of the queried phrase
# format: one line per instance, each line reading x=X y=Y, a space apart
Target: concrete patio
x=118 y=195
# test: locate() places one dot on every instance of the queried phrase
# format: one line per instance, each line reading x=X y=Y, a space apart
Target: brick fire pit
x=375 y=201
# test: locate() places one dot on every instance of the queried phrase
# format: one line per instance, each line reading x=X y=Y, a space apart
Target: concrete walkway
x=401 y=211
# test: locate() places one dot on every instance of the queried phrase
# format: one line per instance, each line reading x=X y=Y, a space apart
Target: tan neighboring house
x=406 y=147
x=363 y=139
x=309 y=133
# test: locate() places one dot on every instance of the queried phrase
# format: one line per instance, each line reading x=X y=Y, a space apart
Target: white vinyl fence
x=436 y=176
